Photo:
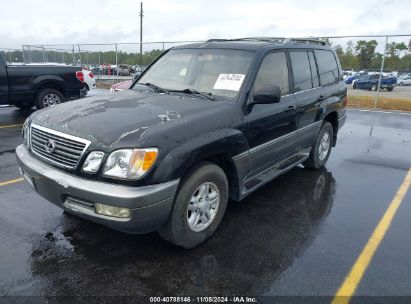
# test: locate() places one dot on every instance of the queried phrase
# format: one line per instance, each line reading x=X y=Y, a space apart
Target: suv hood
x=132 y=118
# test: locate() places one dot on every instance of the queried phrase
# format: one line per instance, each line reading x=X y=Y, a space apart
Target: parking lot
x=299 y=235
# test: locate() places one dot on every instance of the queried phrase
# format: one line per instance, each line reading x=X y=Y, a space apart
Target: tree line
x=86 y=58
x=362 y=55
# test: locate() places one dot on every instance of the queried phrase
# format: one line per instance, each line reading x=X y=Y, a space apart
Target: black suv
x=204 y=123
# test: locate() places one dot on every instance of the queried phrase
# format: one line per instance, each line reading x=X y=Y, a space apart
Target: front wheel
x=198 y=208
x=374 y=87
x=389 y=89
x=321 y=150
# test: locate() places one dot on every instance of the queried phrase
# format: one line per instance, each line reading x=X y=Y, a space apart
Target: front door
x=270 y=126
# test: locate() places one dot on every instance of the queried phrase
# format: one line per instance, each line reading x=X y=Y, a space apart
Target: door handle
x=291 y=108
x=321 y=98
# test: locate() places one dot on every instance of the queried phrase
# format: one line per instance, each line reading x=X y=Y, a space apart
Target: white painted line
x=377 y=111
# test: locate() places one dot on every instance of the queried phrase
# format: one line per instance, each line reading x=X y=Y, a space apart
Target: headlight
x=25 y=133
x=130 y=163
x=93 y=162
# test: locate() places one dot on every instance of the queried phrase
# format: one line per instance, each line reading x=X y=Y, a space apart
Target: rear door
x=335 y=89
x=4 y=87
x=271 y=126
x=309 y=97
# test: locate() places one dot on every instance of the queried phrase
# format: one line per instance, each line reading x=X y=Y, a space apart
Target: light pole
x=141 y=33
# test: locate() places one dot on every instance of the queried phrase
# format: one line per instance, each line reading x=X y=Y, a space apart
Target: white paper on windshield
x=230 y=82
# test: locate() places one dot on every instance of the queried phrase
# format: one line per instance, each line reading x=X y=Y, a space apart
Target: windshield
x=218 y=72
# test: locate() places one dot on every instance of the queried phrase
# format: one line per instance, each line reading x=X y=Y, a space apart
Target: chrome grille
x=57 y=148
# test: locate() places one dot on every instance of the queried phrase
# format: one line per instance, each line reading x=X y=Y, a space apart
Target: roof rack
x=275 y=40
x=308 y=41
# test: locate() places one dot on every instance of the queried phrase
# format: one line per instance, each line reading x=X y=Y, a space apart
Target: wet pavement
x=298 y=235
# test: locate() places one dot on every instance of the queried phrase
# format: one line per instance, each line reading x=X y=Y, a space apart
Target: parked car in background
x=89 y=80
x=96 y=70
x=350 y=79
x=370 y=82
x=25 y=86
x=402 y=76
x=124 y=85
x=347 y=73
x=405 y=80
x=124 y=70
x=206 y=122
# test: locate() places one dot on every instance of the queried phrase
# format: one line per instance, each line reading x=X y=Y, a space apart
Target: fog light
x=112 y=211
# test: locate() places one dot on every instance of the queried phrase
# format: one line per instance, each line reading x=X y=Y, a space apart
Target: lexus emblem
x=50 y=146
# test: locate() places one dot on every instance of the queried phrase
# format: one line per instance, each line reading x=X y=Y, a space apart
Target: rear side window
x=273 y=70
x=327 y=66
x=301 y=71
x=314 y=73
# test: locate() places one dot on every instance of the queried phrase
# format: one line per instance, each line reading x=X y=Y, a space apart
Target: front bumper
x=150 y=205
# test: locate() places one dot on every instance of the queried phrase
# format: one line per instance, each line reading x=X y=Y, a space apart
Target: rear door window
x=327 y=66
x=314 y=72
x=301 y=71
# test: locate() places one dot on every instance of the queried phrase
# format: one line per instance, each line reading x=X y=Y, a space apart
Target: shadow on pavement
x=12 y=115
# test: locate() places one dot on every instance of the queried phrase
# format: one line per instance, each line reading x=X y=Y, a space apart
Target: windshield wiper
x=195 y=92
x=155 y=87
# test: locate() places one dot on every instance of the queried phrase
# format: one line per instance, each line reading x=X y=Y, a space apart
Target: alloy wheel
x=203 y=206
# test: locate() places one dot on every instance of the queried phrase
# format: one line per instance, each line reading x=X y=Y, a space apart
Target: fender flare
x=181 y=158
x=54 y=80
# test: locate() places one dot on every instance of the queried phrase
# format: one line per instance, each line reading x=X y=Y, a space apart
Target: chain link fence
x=376 y=69
x=12 y=55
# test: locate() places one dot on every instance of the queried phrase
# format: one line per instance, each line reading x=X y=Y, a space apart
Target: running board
x=269 y=174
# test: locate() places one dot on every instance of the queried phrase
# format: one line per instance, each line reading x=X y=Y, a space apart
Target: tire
x=354 y=85
x=24 y=106
x=48 y=97
x=401 y=84
x=317 y=160
x=374 y=87
x=177 y=229
x=389 y=89
x=87 y=87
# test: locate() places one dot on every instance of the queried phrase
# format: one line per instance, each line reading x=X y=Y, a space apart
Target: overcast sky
x=100 y=21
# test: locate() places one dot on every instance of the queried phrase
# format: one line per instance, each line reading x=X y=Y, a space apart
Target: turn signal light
x=149 y=160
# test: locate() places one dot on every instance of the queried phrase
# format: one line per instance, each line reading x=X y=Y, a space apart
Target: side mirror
x=267 y=94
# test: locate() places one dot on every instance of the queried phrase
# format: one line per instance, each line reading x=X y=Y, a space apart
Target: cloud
x=102 y=21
